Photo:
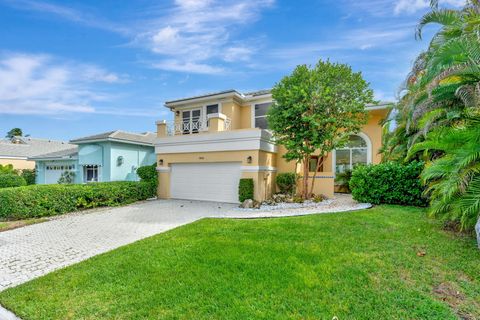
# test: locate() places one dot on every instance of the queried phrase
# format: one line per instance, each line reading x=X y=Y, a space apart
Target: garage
x=53 y=171
x=216 y=181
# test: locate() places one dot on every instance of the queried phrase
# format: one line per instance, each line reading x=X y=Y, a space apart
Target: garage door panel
x=206 y=181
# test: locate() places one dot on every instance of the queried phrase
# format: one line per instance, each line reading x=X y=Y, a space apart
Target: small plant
x=298 y=199
x=11 y=180
x=245 y=189
x=287 y=182
x=342 y=180
x=67 y=177
x=318 y=198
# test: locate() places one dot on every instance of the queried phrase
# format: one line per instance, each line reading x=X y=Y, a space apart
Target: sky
x=73 y=68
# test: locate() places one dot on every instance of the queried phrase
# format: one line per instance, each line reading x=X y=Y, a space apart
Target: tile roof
x=67 y=153
x=25 y=147
x=118 y=135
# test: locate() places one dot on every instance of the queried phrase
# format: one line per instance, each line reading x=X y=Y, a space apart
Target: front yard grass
x=389 y=262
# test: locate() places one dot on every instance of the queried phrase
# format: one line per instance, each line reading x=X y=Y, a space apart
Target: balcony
x=213 y=123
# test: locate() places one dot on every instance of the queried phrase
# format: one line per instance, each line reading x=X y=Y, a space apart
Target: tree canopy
x=15 y=132
x=315 y=109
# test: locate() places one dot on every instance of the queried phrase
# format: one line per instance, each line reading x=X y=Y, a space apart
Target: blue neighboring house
x=109 y=156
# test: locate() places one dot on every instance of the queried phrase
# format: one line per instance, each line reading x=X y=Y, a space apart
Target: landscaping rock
x=477 y=230
x=256 y=204
x=247 y=204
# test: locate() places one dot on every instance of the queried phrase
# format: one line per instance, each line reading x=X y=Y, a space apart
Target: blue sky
x=73 y=68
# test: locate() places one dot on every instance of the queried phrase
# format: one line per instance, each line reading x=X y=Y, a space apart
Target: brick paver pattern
x=35 y=250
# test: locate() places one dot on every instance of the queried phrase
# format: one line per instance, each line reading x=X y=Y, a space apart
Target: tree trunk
x=305 y=177
x=477 y=230
x=317 y=167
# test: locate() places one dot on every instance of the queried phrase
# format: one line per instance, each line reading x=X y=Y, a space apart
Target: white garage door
x=206 y=181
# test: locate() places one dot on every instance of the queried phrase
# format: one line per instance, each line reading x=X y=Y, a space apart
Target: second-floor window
x=213 y=108
x=260 y=115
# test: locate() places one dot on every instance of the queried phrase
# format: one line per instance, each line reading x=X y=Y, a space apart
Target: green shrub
x=245 y=189
x=149 y=175
x=390 y=183
x=287 y=182
x=47 y=200
x=318 y=198
x=11 y=180
x=29 y=175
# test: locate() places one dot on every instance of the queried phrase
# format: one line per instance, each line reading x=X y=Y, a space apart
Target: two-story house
x=217 y=139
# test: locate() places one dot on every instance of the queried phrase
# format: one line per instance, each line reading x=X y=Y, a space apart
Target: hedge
x=148 y=173
x=9 y=180
x=245 y=189
x=390 y=183
x=47 y=200
x=286 y=182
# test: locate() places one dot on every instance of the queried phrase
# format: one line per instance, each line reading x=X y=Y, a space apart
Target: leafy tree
x=67 y=177
x=15 y=132
x=315 y=110
x=7 y=169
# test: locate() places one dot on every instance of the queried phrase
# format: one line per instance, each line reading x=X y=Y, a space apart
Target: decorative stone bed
x=340 y=203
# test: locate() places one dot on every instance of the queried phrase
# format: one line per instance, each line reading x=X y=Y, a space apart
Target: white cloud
x=413 y=6
x=69 y=14
x=188 y=67
x=196 y=34
x=39 y=84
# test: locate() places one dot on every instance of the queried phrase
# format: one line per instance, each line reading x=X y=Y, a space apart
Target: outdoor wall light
x=249 y=159
x=160 y=162
x=119 y=161
x=177 y=113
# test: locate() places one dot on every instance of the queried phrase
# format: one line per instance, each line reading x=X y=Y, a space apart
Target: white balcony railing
x=192 y=126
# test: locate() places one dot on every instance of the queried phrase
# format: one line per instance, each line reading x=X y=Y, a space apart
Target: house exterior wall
x=105 y=155
x=269 y=163
x=261 y=160
x=134 y=156
x=18 y=164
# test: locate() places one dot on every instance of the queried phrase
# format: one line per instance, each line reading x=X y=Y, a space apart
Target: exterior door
x=216 y=181
x=191 y=121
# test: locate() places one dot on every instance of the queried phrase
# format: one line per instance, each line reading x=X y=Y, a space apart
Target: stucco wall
x=18 y=163
x=134 y=156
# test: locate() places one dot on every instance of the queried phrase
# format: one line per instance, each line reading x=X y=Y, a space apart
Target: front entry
x=216 y=181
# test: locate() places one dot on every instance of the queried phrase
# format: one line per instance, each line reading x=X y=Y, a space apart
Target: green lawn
x=355 y=265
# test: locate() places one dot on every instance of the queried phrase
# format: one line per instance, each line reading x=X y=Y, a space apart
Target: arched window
x=356 y=151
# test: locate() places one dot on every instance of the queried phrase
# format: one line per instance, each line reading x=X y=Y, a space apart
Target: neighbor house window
x=260 y=116
x=90 y=173
x=354 y=153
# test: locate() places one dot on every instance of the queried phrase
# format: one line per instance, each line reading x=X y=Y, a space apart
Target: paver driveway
x=35 y=250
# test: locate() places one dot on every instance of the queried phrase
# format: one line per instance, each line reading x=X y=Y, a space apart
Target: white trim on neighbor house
x=14 y=158
x=369 y=152
x=111 y=140
x=258 y=169
x=237 y=140
x=210 y=97
x=164 y=169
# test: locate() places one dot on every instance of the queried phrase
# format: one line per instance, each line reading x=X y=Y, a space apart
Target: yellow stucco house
x=217 y=139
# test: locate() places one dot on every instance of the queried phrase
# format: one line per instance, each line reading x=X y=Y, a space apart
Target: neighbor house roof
x=26 y=147
x=147 y=138
x=71 y=153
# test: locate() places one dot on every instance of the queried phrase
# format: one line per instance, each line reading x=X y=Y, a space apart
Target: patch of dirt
x=447 y=292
